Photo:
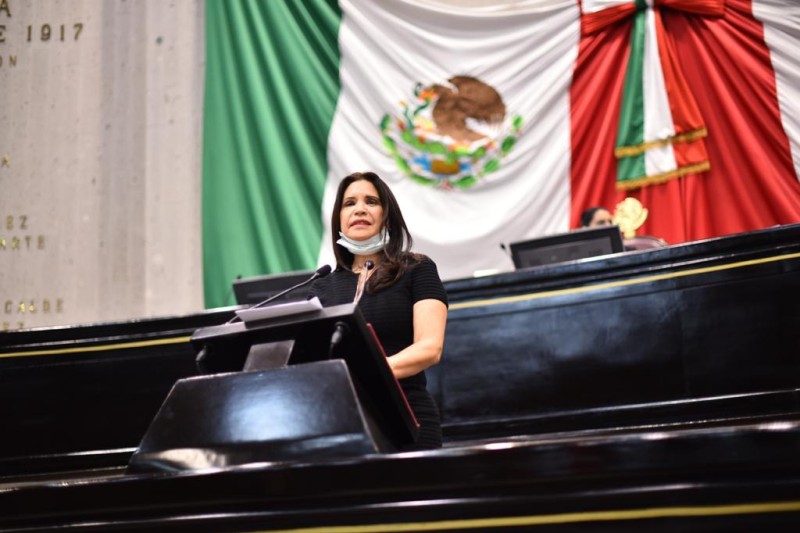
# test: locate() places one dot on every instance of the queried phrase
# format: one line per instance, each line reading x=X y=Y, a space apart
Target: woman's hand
x=430 y=318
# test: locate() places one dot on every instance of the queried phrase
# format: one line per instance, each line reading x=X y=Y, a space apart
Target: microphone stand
x=201 y=360
x=321 y=272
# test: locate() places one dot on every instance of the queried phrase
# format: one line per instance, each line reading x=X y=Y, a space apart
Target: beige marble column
x=100 y=160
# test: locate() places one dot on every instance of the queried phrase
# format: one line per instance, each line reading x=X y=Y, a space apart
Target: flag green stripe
x=631 y=120
x=272 y=82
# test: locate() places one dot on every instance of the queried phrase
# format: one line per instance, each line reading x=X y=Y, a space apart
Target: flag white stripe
x=528 y=57
x=781 y=19
x=593 y=6
x=657 y=115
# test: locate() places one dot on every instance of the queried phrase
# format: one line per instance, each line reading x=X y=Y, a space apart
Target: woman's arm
x=430 y=318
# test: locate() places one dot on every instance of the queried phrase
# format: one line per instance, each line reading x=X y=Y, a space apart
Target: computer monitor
x=250 y=291
x=570 y=246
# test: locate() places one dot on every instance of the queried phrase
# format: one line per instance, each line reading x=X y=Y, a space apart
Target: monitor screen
x=250 y=291
x=570 y=246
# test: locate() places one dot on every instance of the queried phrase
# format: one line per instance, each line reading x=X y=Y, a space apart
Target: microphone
x=339 y=333
x=321 y=272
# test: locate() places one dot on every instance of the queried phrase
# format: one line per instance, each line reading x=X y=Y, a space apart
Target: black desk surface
x=651 y=389
x=684 y=334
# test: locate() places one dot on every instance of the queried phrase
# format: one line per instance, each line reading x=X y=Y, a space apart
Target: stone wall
x=100 y=160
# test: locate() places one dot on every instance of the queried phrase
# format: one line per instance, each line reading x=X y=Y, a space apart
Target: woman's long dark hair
x=588 y=215
x=397 y=255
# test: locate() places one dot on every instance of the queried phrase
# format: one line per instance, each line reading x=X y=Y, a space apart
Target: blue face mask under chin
x=374 y=244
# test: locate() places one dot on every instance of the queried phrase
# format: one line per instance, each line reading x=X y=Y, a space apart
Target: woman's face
x=361 y=216
x=601 y=218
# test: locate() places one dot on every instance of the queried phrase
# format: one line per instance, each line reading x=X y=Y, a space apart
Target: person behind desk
x=399 y=292
x=595 y=217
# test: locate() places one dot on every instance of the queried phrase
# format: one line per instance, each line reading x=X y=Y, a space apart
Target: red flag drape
x=752 y=183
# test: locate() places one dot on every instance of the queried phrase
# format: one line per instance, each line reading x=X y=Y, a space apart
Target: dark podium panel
x=307 y=411
x=701 y=331
x=226 y=349
x=284 y=399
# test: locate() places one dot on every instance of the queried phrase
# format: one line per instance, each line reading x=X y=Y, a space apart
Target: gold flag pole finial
x=629 y=215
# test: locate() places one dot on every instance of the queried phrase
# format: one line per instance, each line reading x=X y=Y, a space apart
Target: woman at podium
x=397 y=291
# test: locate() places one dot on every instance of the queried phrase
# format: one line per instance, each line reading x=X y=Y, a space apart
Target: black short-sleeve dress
x=390 y=311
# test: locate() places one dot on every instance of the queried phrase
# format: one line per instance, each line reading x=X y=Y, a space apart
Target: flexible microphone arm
x=321 y=272
x=201 y=360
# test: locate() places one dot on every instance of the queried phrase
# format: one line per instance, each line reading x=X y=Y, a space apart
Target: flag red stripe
x=726 y=63
x=597 y=85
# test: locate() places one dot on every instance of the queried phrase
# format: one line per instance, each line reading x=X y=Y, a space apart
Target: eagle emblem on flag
x=451 y=135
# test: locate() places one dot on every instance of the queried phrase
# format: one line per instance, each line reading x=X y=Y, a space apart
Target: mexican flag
x=492 y=122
